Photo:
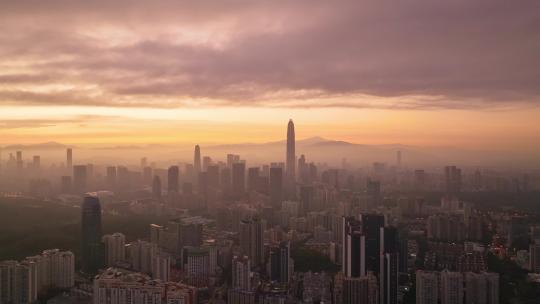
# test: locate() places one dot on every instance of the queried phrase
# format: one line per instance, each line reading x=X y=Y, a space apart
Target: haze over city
x=269 y=152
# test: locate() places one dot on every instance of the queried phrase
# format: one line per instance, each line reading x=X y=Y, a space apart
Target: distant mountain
x=41 y=146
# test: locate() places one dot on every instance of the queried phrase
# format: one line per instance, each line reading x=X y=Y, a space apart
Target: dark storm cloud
x=441 y=54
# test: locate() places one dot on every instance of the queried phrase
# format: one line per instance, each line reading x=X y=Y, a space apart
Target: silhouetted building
x=69 y=158
x=389 y=263
x=252 y=240
x=353 y=262
x=156 y=187
x=91 y=247
x=280 y=263
x=276 y=186
x=197 y=160
x=253 y=179
x=291 y=157
x=452 y=176
x=80 y=179
x=111 y=177
x=238 y=178
x=172 y=179
x=371 y=227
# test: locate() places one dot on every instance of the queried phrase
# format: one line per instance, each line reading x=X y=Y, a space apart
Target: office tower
x=389 y=264
x=147 y=175
x=188 y=231
x=206 y=161
x=197 y=160
x=307 y=196
x=252 y=240
x=231 y=159
x=452 y=176
x=276 y=186
x=291 y=153
x=69 y=158
x=156 y=187
x=253 y=179
x=280 y=263
x=172 y=179
x=19 y=161
x=140 y=255
x=238 y=178
x=91 y=248
x=398 y=158
x=80 y=179
x=451 y=287
x=353 y=262
x=120 y=286
x=427 y=287
x=241 y=273
x=114 y=245
x=65 y=184
x=534 y=258
x=212 y=176
x=111 y=177
x=371 y=227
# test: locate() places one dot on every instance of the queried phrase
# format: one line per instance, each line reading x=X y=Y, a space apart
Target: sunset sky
x=429 y=73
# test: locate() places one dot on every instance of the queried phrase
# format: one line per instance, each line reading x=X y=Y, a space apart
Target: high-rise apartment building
x=114 y=248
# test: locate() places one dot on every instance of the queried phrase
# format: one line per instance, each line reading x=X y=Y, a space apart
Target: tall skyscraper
x=427 y=287
x=353 y=262
x=253 y=179
x=252 y=240
x=80 y=179
x=238 y=178
x=91 y=247
x=279 y=263
x=156 y=187
x=197 y=160
x=276 y=186
x=172 y=179
x=389 y=263
x=69 y=158
x=111 y=177
x=371 y=227
x=291 y=154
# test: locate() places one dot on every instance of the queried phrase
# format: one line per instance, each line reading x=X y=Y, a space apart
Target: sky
x=428 y=73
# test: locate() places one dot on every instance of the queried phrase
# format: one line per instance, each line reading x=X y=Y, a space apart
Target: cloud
x=377 y=54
